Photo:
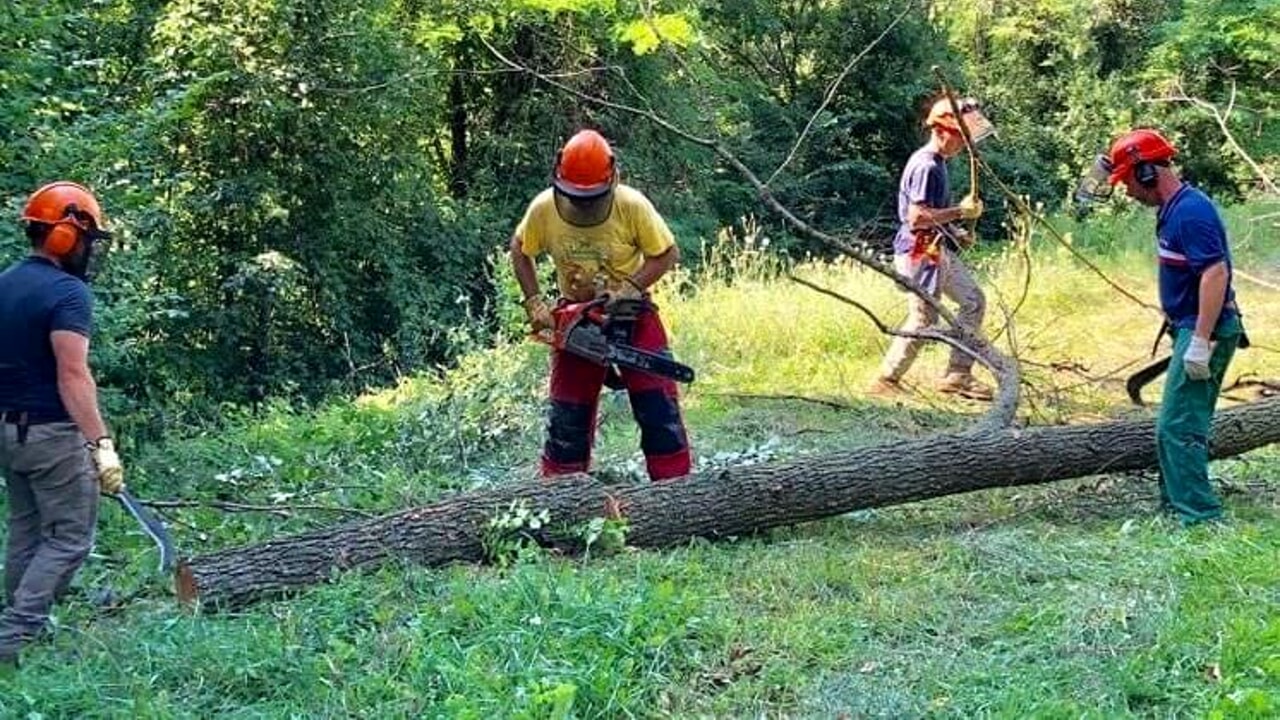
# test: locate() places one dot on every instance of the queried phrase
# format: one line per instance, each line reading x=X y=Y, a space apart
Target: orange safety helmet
x=1138 y=152
x=941 y=115
x=585 y=166
x=69 y=209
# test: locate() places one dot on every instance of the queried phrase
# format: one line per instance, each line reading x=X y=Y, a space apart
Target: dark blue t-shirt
x=924 y=182
x=37 y=298
x=1190 y=238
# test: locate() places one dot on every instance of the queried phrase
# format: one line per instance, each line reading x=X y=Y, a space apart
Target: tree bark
x=714 y=504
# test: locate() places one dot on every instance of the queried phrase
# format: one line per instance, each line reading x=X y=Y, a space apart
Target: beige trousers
x=949 y=278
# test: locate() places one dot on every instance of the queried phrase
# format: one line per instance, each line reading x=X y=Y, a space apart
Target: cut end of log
x=185 y=584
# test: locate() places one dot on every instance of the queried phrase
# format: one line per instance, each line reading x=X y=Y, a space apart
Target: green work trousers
x=1182 y=429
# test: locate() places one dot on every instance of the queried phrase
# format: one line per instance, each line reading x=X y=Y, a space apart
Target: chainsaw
x=599 y=332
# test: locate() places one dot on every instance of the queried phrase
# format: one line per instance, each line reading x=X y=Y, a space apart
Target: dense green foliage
x=310 y=193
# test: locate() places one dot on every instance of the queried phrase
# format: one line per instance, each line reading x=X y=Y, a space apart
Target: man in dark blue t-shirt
x=922 y=253
x=1199 y=303
x=54 y=449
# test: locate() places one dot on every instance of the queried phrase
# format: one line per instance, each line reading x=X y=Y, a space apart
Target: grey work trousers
x=951 y=278
x=53 y=510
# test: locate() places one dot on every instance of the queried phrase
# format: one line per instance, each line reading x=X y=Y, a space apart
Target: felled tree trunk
x=712 y=504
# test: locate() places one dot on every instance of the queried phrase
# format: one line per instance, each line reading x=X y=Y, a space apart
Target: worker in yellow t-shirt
x=604 y=238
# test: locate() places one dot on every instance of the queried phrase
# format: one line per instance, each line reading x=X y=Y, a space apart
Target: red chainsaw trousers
x=575 y=397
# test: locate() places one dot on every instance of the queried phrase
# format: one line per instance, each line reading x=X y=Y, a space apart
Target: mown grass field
x=1071 y=600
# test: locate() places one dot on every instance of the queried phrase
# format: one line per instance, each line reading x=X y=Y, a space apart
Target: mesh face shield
x=584 y=211
x=1095 y=186
x=979 y=127
x=98 y=246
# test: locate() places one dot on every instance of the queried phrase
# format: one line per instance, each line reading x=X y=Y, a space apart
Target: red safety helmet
x=1138 y=146
x=68 y=209
x=585 y=166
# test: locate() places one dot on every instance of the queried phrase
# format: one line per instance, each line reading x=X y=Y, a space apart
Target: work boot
x=886 y=387
x=965 y=385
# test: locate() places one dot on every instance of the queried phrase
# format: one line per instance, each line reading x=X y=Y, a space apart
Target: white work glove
x=970 y=208
x=1195 y=361
x=107 y=463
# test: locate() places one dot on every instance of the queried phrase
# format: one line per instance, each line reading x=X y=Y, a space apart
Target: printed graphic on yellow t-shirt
x=599 y=255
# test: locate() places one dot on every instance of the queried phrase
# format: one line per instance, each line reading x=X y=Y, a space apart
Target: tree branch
x=1221 y=119
x=282 y=510
x=831 y=91
x=1003 y=409
x=1026 y=209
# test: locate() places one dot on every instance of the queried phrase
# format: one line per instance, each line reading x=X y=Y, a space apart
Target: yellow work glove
x=107 y=463
x=970 y=208
x=539 y=314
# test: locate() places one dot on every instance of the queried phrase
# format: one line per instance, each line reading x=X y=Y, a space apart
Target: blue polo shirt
x=1190 y=238
x=37 y=298
x=924 y=182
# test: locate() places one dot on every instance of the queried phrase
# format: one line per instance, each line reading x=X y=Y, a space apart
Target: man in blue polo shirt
x=54 y=449
x=925 y=251
x=1197 y=299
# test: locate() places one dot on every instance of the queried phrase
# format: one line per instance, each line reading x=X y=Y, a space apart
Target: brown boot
x=886 y=387
x=965 y=385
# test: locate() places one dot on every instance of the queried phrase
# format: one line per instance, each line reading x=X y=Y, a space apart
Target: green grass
x=1071 y=600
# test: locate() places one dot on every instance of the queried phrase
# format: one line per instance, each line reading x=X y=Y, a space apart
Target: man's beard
x=79 y=262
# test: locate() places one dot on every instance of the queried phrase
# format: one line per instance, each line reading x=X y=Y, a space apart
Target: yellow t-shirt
x=604 y=253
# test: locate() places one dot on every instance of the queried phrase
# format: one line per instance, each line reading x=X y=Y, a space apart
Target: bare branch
x=831 y=91
x=1221 y=119
x=766 y=196
x=1023 y=242
x=1026 y=209
x=887 y=330
x=410 y=77
x=1002 y=411
x=281 y=510
x=1006 y=371
x=1255 y=280
x=800 y=398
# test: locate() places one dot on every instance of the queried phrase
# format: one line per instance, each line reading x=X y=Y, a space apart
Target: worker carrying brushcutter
x=607 y=242
x=54 y=448
x=926 y=246
x=1198 y=302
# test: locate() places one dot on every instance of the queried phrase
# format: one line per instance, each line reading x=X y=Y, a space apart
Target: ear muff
x=64 y=234
x=1144 y=172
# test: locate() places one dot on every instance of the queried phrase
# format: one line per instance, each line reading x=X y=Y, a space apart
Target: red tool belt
x=927 y=245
